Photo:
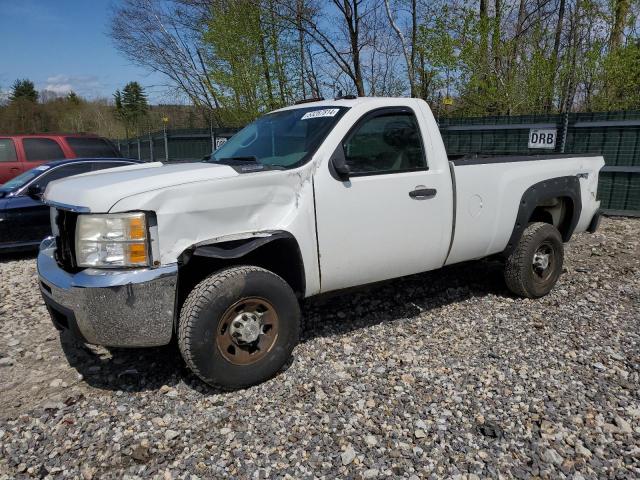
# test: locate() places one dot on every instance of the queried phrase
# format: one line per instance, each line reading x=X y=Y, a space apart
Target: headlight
x=112 y=240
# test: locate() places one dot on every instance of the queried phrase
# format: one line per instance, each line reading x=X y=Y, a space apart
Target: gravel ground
x=437 y=375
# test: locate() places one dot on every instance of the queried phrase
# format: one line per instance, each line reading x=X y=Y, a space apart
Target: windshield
x=21 y=180
x=284 y=139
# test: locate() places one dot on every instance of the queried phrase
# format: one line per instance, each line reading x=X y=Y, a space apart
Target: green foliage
x=236 y=59
x=246 y=58
x=23 y=90
x=131 y=105
x=437 y=42
x=621 y=79
x=234 y=36
x=508 y=65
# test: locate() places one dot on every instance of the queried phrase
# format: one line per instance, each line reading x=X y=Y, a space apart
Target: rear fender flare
x=536 y=194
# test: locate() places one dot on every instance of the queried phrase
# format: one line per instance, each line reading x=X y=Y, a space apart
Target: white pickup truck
x=308 y=199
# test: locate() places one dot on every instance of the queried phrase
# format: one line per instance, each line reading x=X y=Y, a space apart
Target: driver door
x=392 y=216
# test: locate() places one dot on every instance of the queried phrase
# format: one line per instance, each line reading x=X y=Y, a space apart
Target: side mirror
x=341 y=168
x=35 y=192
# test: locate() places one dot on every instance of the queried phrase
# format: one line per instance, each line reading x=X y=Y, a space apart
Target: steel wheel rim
x=543 y=264
x=237 y=328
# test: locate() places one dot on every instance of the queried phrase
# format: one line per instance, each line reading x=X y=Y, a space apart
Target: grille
x=65 y=240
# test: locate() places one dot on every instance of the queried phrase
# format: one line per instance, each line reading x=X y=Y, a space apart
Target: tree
x=134 y=101
x=239 y=58
x=166 y=37
x=408 y=45
x=23 y=90
x=342 y=41
x=131 y=105
x=555 y=56
x=73 y=98
x=621 y=80
x=620 y=13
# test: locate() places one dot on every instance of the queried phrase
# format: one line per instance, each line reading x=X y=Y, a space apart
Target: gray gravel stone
x=551 y=456
x=6 y=362
x=501 y=387
x=348 y=455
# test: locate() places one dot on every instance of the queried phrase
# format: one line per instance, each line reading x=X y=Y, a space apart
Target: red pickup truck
x=19 y=153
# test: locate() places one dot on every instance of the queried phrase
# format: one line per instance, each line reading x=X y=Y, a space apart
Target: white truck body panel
x=235 y=207
x=99 y=192
x=369 y=229
x=349 y=233
x=488 y=196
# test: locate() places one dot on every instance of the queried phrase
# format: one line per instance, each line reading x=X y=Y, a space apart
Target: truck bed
x=489 y=190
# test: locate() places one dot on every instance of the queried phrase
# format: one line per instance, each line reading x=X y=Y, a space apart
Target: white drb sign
x=220 y=141
x=542 y=138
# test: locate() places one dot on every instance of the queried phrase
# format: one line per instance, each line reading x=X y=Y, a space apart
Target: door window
x=62 y=172
x=42 y=149
x=7 y=150
x=385 y=143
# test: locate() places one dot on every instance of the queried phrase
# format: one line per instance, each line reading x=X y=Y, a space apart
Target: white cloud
x=84 y=85
x=59 y=87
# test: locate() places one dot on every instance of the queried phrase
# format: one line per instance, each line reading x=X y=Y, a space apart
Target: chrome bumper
x=116 y=308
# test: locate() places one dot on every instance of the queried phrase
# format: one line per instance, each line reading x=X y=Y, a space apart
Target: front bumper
x=116 y=308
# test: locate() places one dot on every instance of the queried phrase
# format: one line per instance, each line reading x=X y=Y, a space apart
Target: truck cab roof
x=354 y=102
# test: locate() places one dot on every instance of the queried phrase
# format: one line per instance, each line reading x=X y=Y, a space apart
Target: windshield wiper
x=250 y=158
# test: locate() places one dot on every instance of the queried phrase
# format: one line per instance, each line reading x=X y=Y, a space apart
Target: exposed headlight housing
x=112 y=240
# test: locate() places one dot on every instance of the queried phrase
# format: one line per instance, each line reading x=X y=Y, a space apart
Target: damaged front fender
x=233 y=249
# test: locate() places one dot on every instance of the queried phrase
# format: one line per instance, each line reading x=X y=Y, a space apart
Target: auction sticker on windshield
x=327 y=112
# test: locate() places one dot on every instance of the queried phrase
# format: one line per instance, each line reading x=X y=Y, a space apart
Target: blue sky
x=62 y=45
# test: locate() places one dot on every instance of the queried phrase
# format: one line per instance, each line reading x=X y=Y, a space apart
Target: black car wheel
x=239 y=326
x=535 y=265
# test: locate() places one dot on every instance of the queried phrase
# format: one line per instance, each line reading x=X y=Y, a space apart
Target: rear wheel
x=239 y=326
x=534 y=266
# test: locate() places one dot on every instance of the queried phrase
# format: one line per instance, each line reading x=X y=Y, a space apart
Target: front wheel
x=239 y=326
x=534 y=266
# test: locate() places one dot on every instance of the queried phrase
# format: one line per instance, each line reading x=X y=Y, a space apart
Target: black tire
x=207 y=307
x=522 y=276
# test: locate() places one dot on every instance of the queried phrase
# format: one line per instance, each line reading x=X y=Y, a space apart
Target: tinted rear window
x=42 y=149
x=92 y=147
x=7 y=150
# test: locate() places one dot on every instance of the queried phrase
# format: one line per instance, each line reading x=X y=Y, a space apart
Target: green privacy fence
x=184 y=145
x=615 y=135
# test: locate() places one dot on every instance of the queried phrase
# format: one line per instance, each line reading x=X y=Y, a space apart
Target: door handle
x=14 y=169
x=421 y=193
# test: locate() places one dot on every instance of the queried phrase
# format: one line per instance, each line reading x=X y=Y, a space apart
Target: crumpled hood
x=99 y=191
